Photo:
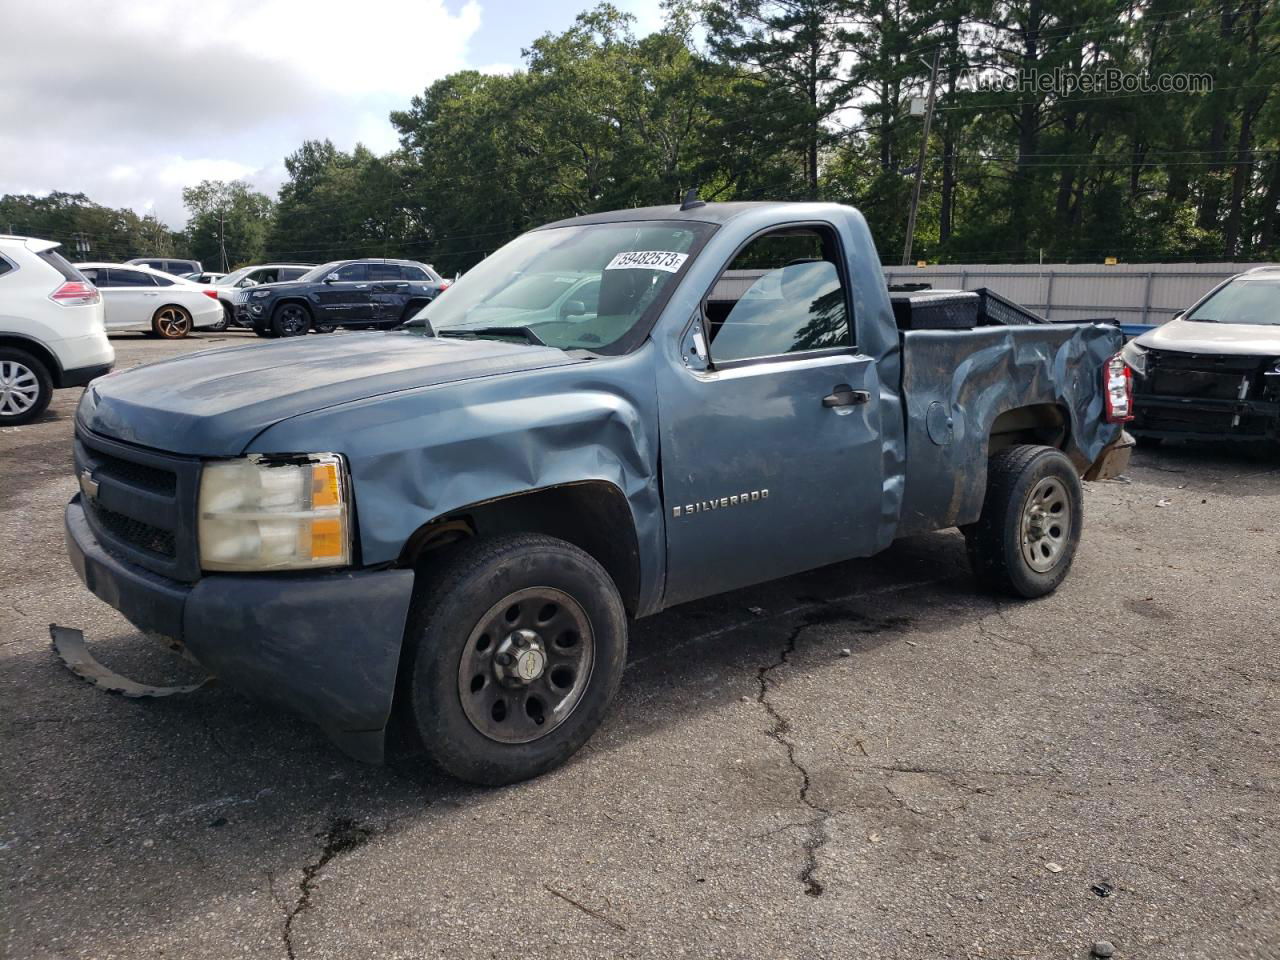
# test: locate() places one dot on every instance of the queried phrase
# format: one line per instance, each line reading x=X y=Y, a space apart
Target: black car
x=344 y=293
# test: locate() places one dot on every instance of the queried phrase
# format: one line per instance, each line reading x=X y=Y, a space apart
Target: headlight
x=260 y=293
x=1136 y=358
x=274 y=513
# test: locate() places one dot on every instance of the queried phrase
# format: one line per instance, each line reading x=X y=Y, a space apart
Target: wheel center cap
x=530 y=664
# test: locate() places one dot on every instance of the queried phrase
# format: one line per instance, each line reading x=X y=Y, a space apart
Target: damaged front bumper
x=1201 y=418
x=324 y=645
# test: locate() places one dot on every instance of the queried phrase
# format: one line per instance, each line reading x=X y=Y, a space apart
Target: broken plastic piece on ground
x=69 y=645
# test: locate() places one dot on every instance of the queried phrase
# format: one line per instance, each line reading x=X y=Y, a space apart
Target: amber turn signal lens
x=325 y=491
x=326 y=538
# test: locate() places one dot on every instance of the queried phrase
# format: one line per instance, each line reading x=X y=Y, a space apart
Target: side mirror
x=575 y=308
x=247 y=282
x=331 y=278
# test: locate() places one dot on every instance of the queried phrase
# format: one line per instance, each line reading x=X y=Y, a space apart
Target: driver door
x=771 y=455
x=346 y=298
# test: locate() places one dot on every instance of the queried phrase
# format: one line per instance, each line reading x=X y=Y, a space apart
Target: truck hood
x=1194 y=336
x=215 y=402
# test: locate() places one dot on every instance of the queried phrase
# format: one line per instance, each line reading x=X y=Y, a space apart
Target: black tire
x=224 y=323
x=463 y=597
x=290 y=320
x=1019 y=546
x=25 y=387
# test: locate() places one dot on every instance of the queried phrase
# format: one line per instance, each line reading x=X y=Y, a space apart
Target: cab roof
x=717 y=213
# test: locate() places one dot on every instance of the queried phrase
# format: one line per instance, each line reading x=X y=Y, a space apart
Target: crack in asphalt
x=817 y=833
x=343 y=836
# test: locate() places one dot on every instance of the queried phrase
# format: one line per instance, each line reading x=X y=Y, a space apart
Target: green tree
x=228 y=223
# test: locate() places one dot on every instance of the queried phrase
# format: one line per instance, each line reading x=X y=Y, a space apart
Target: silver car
x=1212 y=372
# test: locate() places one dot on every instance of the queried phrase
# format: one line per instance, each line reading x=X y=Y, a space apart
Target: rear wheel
x=1026 y=538
x=290 y=320
x=517 y=648
x=25 y=387
x=171 y=322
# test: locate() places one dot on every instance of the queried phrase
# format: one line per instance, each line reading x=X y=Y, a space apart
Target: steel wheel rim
x=538 y=630
x=19 y=387
x=1045 y=529
x=292 y=320
x=172 y=322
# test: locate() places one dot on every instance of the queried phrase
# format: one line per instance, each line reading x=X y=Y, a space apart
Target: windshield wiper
x=526 y=332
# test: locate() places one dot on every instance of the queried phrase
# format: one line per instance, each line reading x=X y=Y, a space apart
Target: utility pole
x=222 y=240
x=924 y=145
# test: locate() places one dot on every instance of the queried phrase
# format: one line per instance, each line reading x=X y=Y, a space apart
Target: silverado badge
x=736 y=500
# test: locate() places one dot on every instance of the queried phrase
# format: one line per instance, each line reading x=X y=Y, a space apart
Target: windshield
x=231 y=278
x=320 y=272
x=576 y=287
x=1248 y=300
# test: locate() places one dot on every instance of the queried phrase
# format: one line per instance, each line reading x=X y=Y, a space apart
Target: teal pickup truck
x=454 y=521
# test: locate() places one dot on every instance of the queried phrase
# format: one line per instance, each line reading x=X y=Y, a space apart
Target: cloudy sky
x=129 y=101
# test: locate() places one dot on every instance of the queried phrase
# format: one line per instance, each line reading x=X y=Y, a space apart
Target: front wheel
x=171 y=322
x=290 y=320
x=225 y=322
x=1025 y=539
x=517 y=648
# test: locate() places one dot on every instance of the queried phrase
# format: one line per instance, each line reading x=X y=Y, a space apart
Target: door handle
x=844 y=395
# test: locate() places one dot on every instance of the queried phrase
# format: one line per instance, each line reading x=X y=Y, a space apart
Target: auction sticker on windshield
x=648 y=260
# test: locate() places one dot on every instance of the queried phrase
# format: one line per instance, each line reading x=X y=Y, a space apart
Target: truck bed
x=957 y=383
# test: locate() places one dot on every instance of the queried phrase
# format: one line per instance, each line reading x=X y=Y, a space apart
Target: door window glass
x=414 y=273
x=384 y=271
x=117 y=277
x=352 y=272
x=781 y=294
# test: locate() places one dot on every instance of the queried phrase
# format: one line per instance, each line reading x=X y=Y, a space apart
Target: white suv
x=51 y=328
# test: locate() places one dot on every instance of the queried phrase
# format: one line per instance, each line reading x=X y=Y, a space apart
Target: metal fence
x=1133 y=293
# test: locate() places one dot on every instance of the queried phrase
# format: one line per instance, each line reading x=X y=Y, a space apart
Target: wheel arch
x=1044 y=424
x=593 y=515
x=38 y=350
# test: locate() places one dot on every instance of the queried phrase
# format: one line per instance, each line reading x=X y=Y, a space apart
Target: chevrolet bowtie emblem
x=88 y=485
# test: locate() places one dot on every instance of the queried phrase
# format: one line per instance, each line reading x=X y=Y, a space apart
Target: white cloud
x=129 y=101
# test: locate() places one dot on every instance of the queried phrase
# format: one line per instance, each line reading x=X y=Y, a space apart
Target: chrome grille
x=140 y=503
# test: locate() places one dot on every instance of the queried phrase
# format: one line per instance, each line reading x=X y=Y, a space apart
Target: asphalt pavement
x=873 y=759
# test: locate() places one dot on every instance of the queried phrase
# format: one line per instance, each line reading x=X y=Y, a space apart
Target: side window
x=162 y=281
x=269 y=275
x=415 y=273
x=291 y=273
x=5 y=266
x=384 y=271
x=117 y=277
x=94 y=275
x=352 y=271
x=781 y=294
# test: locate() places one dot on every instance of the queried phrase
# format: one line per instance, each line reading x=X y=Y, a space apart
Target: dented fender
x=422 y=454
